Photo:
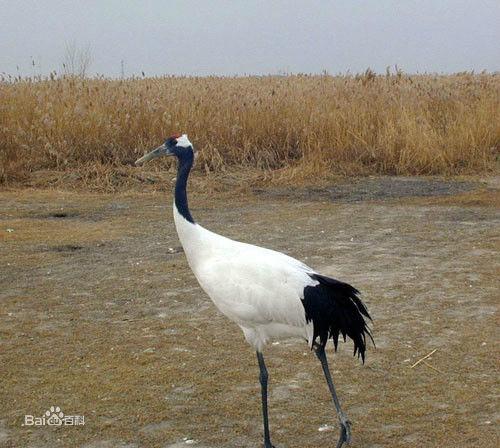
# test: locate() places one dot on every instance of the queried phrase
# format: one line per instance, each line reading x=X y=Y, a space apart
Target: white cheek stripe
x=183 y=141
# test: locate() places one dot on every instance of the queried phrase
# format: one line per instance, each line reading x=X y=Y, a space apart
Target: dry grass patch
x=120 y=333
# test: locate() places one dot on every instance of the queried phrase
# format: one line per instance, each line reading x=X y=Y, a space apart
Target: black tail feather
x=335 y=309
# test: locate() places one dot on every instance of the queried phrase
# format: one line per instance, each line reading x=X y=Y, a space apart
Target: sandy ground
x=101 y=316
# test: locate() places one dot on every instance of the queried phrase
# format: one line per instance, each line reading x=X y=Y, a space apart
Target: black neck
x=183 y=169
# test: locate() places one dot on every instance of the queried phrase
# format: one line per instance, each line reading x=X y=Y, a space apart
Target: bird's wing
x=253 y=285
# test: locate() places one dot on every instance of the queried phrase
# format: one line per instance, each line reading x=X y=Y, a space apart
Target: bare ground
x=101 y=316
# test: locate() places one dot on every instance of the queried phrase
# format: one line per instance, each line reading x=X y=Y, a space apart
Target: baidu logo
x=54 y=417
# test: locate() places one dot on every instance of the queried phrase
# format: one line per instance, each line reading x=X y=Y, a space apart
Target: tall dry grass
x=302 y=126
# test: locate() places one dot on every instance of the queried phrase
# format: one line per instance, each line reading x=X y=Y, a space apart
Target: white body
x=257 y=288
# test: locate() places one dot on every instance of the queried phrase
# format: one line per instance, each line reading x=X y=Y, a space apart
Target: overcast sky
x=251 y=37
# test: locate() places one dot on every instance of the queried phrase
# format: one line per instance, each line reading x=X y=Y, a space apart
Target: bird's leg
x=345 y=424
x=263 y=384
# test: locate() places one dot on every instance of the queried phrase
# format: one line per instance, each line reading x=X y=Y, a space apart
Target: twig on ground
x=424 y=358
x=432 y=367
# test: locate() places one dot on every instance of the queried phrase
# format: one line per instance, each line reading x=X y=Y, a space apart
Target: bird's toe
x=345 y=432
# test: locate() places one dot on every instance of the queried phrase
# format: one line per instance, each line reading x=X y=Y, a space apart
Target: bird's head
x=177 y=145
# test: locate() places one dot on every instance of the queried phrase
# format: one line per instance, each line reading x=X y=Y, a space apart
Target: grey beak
x=158 y=152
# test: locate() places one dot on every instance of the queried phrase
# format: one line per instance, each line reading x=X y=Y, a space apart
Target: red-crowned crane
x=269 y=295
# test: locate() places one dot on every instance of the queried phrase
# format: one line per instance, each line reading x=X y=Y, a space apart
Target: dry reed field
x=282 y=127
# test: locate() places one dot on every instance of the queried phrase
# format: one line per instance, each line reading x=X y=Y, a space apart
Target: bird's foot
x=268 y=445
x=345 y=431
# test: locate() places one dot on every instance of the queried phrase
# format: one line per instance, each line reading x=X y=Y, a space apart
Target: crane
x=268 y=294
